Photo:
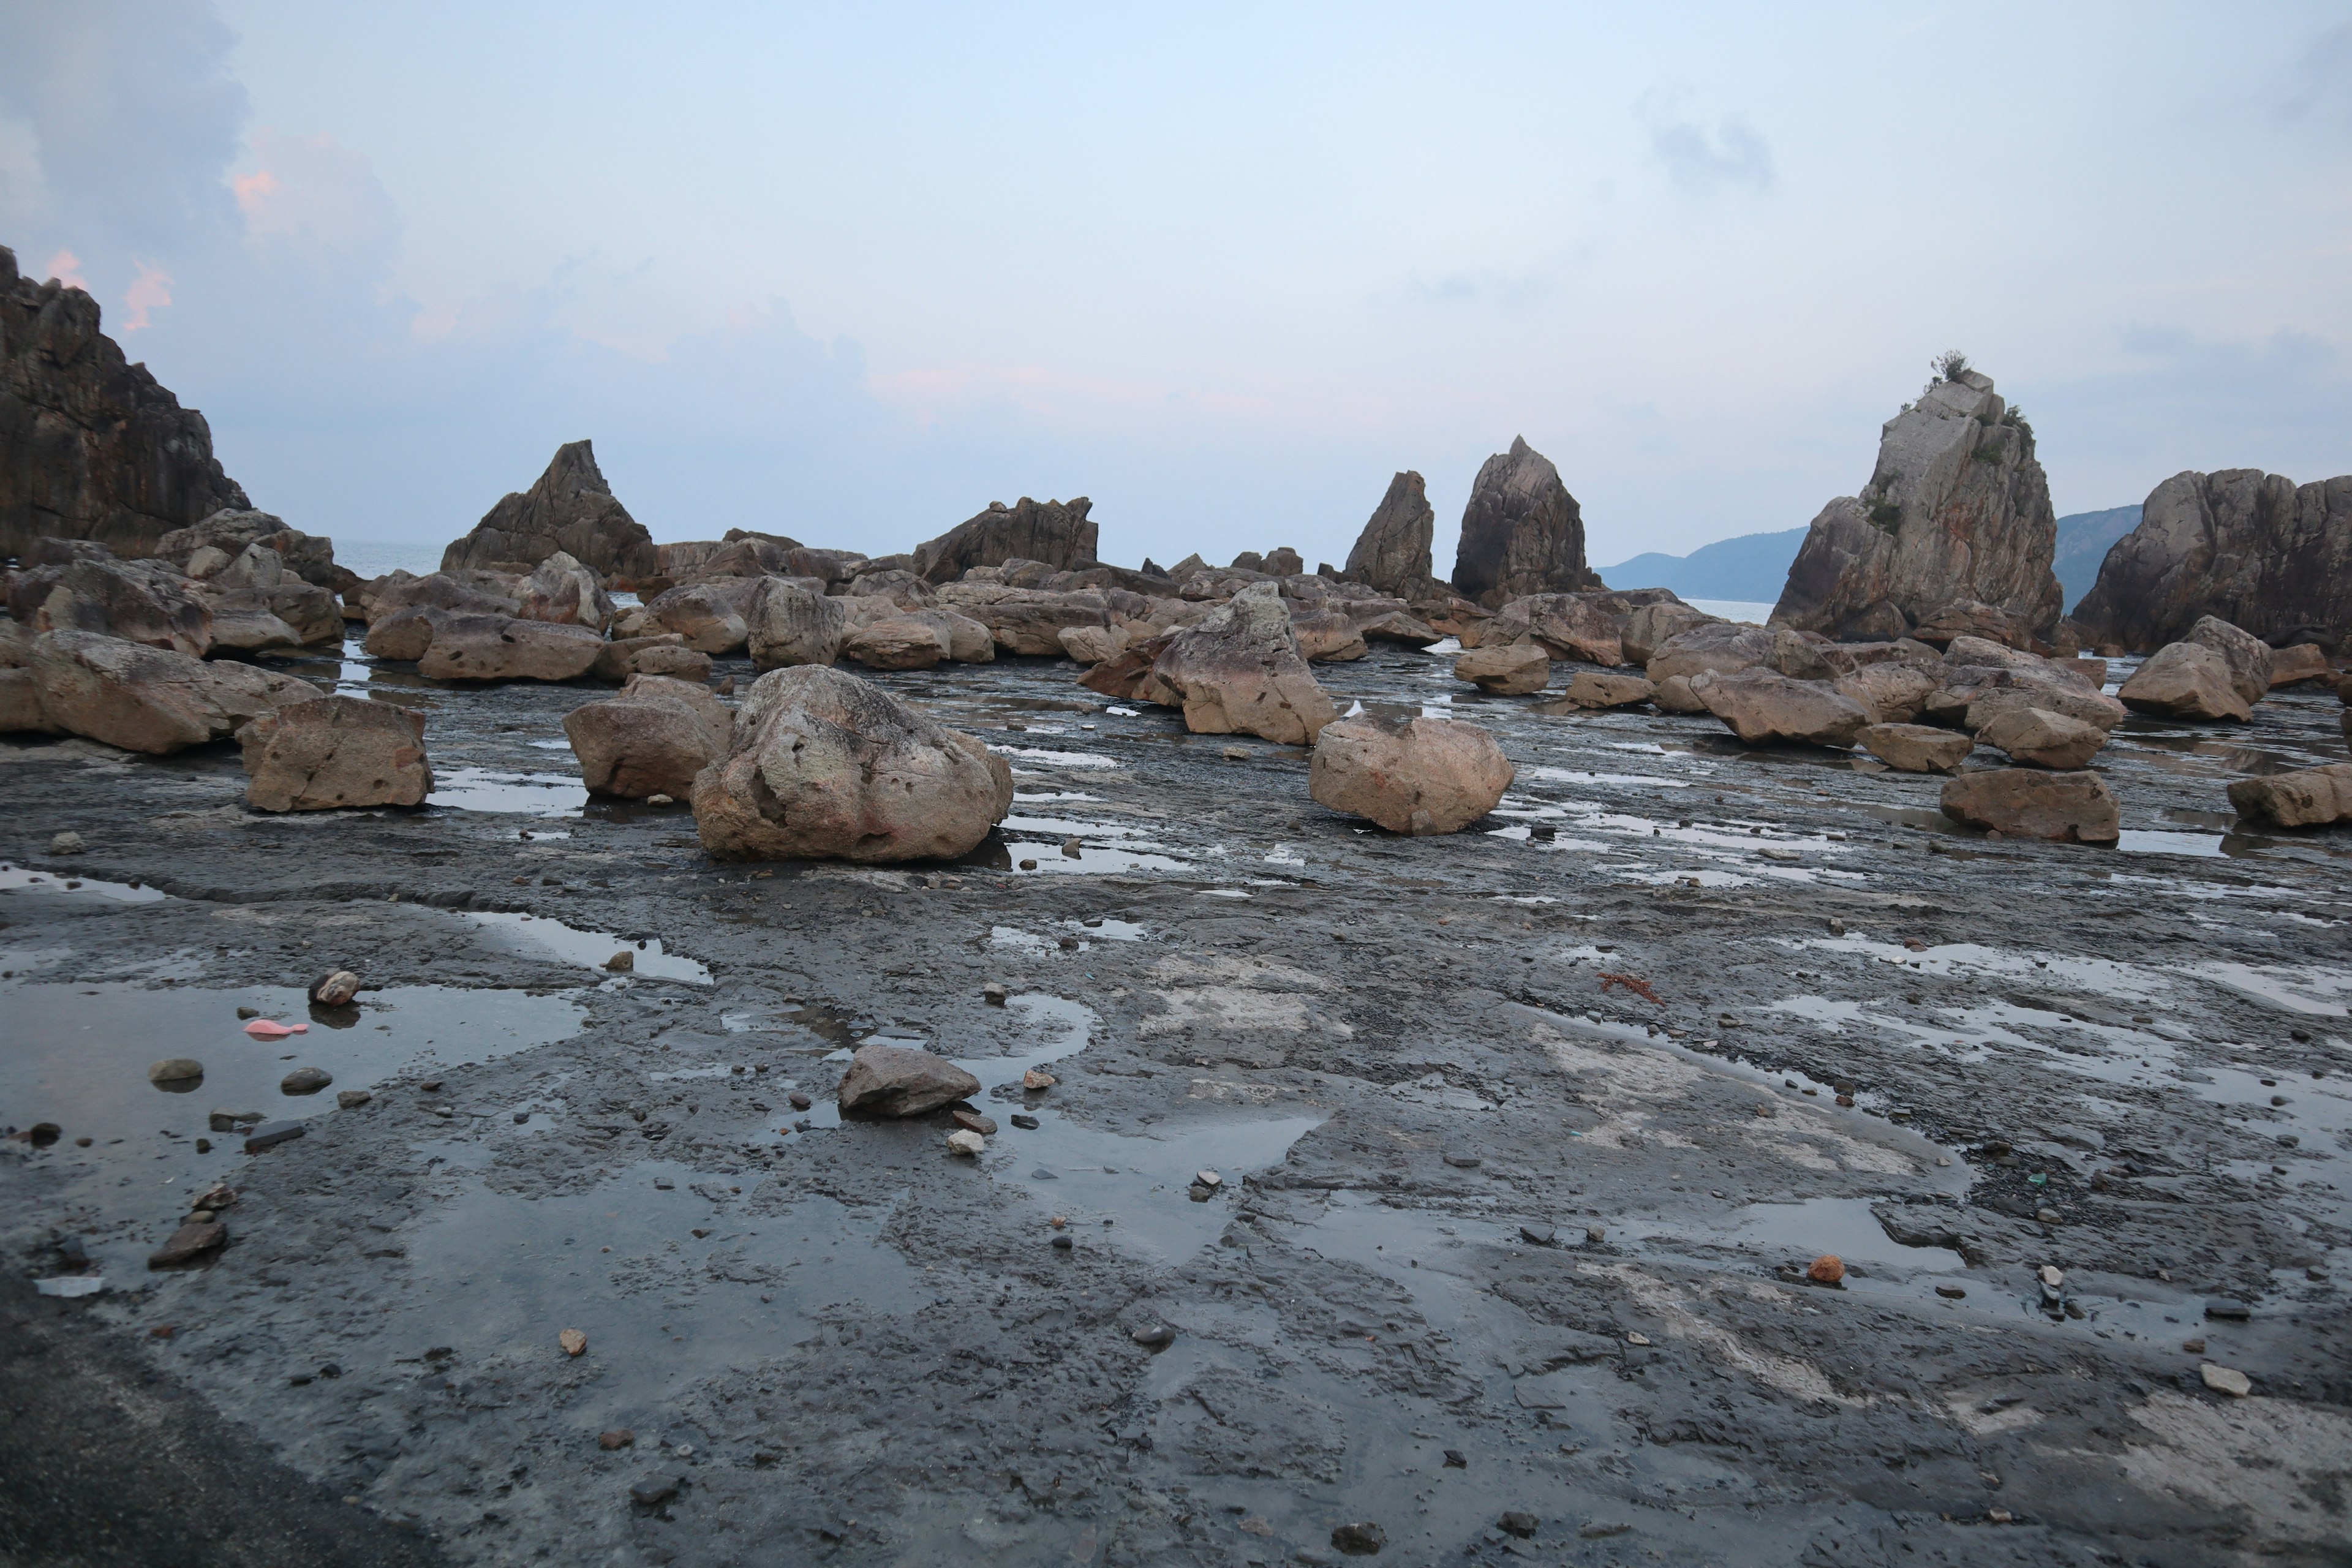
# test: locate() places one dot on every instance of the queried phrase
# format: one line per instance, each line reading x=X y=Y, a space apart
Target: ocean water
x=1729 y=609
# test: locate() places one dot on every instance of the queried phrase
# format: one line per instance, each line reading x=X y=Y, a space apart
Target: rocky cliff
x=571 y=509
x=1057 y=532
x=90 y=446
x=1957 y=512
x=2253 y=548
x=1522 y=533
x=1392 y=552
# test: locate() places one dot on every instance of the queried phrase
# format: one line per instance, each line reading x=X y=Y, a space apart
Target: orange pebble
x=1827 y=1270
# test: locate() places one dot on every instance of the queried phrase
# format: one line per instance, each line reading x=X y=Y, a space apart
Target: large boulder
x=1648 y=627
x=20 y=705
x=2308 y=797
x=2300 y=662
x=825 y=766
x=468 y=593
x=1397 y=626
x=651 y=739
x=150 y=699
x=896 y=1080
x=713 y=615
x=1727 y=648
x=1327 y=637
x=571 y=509
x=234 y=530
x=1916 y=748
x=2185 y=680
x=1957 y=508
x=2255 y=550
x=147 y=602
x=90 y=446
x=405 y=633
x=1239 y=670
x=2043 y=739
x=497 y=648
x=1978 y=679
x=1892 y=693
x=1058 y=533
x=334 y=751
x=895 y=642
x=1506 y=669
x=1522 y=533
x=1763 y=708
x=2249 y=657
x=1391 y=554
x=1602 y=688
x=561 y=589
x=785 y=624
x=1026 y=621
x=664 y=654
x=2027 y=802
x=1092 y=645
x=1417 y=775
x=1581 y=626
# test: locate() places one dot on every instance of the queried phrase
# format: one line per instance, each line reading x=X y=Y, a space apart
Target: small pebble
x=2226 y=1380
x=1026 y=1123
x=1829 y=1269
x=965 y=1142
x=305 y=1081
x=618 y=1437
x=1159 y=1336
x=573 y=1340
x=353 y=1099
x=1033 y=1079
x=175 y=1070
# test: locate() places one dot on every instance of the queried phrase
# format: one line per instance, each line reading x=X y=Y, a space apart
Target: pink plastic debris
x=272 y=1029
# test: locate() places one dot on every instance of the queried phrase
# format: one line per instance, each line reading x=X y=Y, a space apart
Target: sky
x=851 y=272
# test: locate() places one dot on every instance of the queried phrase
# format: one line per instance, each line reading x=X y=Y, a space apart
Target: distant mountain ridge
x=1755 y=566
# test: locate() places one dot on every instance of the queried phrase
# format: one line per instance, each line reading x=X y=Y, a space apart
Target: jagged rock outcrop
x=570 y=509
x=1522 y=531
x=309 y=556
x=90 y=446
x=1391 y=554
x=1057 y=532
x=1957 y=509
x=2253 y=548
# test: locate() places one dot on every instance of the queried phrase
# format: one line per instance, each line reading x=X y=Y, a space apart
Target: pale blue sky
x=851 y=272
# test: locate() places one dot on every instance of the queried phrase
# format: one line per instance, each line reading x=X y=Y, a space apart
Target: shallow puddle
x=490 y=789
x=591 y=949
x=14 y=879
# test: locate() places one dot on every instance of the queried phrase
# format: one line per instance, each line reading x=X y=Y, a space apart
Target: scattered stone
x=335 y=752
x=1637 y=1338
x=232 y=1121
x=1359 y=1540
x=972 y=1121
x=2226 y=1380
x=1239 y=670
x=618 y=1437
x=1829 y=1269
x=654 y=1490
x=800 y=1101
x=190 y=1241
x=1510 y=669
x=2185 y=680
x=67 y=843
x=2026 y=803
x=270 y=1134
x=897 y=1081
x=1764 y=707
x=966 y=1142
x=1027 y=1123
x=1595 y=1234
x=352 y=1098
x=305 y=1081
x=179 y=1071
x=1419 y=776
x=1209 y=1179
x=2306 y=797
x=995 y=994
x=2043 y=738
x=336 y=988
x=1157 y=1337
x=573 y=1340
x=2229 y=1310
x=1539 y=1235
x=1036 y=1079
x=651 y=739
x=1951 y=1292
x=1522 y=1525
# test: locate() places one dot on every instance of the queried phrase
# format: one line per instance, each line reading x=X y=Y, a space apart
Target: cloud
x=2322 y=91
x=1735 y=155
x=315 y=195
x=149 y=292
x=66 y=267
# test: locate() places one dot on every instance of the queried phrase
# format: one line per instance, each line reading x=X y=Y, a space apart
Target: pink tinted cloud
x=150 y=292
x=66 y=267
x=315 y=194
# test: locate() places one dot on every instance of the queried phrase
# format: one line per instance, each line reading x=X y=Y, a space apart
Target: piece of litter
x=71 y=1285
x=272 y=1029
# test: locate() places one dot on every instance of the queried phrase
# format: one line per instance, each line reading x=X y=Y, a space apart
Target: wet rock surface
x=1485 y=1111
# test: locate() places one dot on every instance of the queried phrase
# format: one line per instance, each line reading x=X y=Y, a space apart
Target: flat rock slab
x=2027 y=802
x=893 y=1080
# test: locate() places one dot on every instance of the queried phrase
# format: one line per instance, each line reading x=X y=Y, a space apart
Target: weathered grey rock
x=713 y=615
x=2185 y=680
x=147 y=602
x=189 y=1243
x=570 y=509
x=1522 y=533
x=1127 y=676
x=1890 y=693
x=2043 y=738
x=1399 y=627
x=1711 y=647
x=334 y=751
x=335 y=988
x=1581 y=626
x=1649 y=626
x=2308 y=797
x=561 y=589
x=1419 y=776
x=1763 y=708
x=665 y=653
x=405 y=633
x=497 y=647
x=1058 y=533
x=232 y=532
x=292 y=614
x=305 y=1081
x=2255 y=550
x=1239 y=671
x=1327 y=637
x=1970 y=618
x=473 y=594
x=823 y=765
x=90 y=446
x=1916 y=748
x=1673 y=695
x=894 y=1080
x=1957 y=508
x=651 y=739
x=1506 y=669
x=2249 y=657
x=786 y=625
x=1091 y=645
x=2027 y=802
x=897 y=642
x=1600 y=689
x=969 y=641
x=152 y=699
x=1025 y=621
x=1392 y=553
x=2298 y=663
x=20 y=705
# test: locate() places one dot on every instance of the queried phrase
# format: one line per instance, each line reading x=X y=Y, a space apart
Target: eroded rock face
x=1239 y=671
x=150 y=699
x=90 y=446
x=2043 y=739
x=787 y=625
x=145 y=602
x=570 y=509
x=1058 y=533
x=1522 y=533
x=2027 y=802
x=2255 y=550
x=499 y=648
x=1650 y=627
x=894 y=1080
x=2249 y=659
x=561 y=589
x=1958 y=509
x=1398 y=628
x=1419 y=776
x=1391 y=554
x=1601 y=689
x=2308 y=797
x=232 y=532
x=1892 y=693
x=20 y=705
x=1916 y=748
x=2185 y=680
x=1327 y=637
x=714 y=615
x=823 y=766
x=1763 y=708
x=651 y=739
x=334 y=751
x=1506 y=669
x=895 y=642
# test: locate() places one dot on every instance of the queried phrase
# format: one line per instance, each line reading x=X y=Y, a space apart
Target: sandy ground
x=1496 y=1235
